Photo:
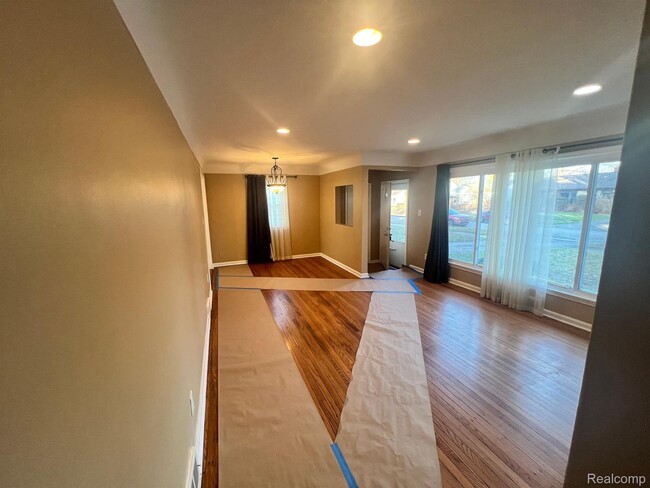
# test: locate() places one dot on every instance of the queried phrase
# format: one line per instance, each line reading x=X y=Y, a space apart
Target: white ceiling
x=446 y=71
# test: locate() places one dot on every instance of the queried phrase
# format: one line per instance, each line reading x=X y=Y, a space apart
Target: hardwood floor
x=301 y=268
x=210 y=464
x=503 y=385
x=504 y=389
x=322 y=330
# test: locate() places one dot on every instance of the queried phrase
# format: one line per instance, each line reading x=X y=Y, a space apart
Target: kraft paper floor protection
x=270 y=433
x=235 y=270
x=386 y=431
x=315 y=284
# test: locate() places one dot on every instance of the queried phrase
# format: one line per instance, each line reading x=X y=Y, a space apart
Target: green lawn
x=562 y=265
x=573 y=217
x=460 y=235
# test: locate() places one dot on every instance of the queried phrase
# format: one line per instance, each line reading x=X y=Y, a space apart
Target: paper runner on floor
x=270 y=432
x=386 y=431
x=235 y=270
x=316 y=284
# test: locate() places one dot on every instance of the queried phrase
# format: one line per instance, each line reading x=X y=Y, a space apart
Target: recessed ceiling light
x=414 y=141
x=587 y=89
x=283 y=130
x=367 y=37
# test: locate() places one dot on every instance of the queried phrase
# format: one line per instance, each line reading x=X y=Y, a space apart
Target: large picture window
x=584 y=185
x=469 y=215
x=583 y=204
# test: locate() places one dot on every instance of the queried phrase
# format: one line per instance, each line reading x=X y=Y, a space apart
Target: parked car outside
x=457 y=219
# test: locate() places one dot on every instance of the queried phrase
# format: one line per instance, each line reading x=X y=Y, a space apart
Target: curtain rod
x=567 y=147
x=252 y=174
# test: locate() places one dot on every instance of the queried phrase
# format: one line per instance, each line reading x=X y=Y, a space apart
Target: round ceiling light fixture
x=414 y=141
x=283 y=131
x=367 y=37
x=587 y=89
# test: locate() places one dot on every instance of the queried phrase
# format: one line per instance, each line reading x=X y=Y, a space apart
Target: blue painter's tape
x=347 y=474
x=417 y=290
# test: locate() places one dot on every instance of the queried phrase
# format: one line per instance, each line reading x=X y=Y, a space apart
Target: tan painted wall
x=103 y=279
x=304 y=214
x=423 y=189
x=341 y=242
x=226 y=197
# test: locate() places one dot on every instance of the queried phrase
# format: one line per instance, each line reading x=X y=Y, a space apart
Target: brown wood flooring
x=503 y=385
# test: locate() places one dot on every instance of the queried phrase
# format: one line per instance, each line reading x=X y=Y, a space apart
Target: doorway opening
x=393 y=224
x=398 y=223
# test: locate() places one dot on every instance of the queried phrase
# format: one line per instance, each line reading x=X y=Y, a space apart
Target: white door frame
x=384 y=224
x=406 y=232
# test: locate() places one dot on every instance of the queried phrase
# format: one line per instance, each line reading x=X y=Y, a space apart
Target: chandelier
x=276 y=181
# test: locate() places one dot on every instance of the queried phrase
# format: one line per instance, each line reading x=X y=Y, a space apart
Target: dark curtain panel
x=258 y=231
x=436 y=269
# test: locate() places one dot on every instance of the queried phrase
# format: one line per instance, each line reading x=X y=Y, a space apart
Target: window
x=343 y=197
x=277 y=205
x=398 y=215
x=470 y=196
x=583 y=205
x=584 y=191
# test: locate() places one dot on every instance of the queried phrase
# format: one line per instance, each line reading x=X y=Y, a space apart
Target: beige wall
x=103 y=279
x=423 y=189
x=304 y=214
x=341 y=242
x=226 y=197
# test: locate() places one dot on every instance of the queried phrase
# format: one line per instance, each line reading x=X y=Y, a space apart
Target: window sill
x=466 y=267
x=553 y=290
x=572 y=295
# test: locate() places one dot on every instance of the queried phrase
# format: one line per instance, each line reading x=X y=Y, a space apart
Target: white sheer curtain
x=515 y=269
x=278 y=204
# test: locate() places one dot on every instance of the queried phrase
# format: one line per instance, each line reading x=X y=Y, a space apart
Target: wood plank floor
x=503 y=385
x=301 y=268
x=322 y=330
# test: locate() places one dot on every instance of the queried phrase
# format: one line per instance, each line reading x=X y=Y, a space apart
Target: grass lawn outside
x=562 y=266
x=573 y=217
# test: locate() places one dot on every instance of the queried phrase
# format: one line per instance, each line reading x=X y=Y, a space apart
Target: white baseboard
x=416 y=268
x=345 y=267
x=200 y=413
x=191 y=480
x=467 y=286
x=302 y=256
x=229 y=263
x=565 y=319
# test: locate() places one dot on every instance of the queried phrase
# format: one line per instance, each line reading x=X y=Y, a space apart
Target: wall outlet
x=425 y=256
x=419 y=212
x=191 y=403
